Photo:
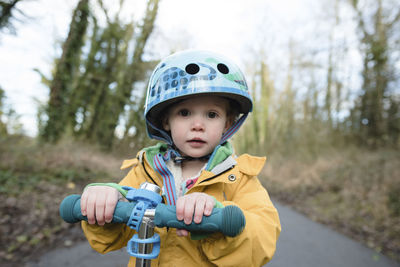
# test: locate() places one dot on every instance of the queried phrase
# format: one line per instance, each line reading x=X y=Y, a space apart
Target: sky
x=232 y=28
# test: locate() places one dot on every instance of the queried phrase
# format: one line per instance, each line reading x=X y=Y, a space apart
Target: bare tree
x=376 y=22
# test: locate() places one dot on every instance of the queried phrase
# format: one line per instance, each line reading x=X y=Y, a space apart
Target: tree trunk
x=61 y=85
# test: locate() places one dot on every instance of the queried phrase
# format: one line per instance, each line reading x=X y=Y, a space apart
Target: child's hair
x=191 y=73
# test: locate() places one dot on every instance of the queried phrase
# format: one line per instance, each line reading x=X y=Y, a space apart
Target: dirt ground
x=30 y=224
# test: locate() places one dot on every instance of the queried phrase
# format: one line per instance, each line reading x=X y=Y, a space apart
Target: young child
x=196 y=100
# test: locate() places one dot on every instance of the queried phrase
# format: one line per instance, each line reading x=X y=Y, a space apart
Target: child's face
x=197 y=124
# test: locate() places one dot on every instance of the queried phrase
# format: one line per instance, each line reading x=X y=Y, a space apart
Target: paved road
x=303 y=243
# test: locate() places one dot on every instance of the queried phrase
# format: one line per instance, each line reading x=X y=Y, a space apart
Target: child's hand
x=98 y=203
x=197 y=204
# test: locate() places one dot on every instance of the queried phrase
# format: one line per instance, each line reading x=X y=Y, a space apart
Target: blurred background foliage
x=333 y=143
x=97 y=82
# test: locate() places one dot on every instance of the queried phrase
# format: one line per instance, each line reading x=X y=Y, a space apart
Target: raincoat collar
x=219 y=156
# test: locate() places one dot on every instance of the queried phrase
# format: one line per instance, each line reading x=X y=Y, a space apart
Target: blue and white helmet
x=189 y=73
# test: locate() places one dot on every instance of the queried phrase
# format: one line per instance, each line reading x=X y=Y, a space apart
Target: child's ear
x=228 y=123
x=165 y=124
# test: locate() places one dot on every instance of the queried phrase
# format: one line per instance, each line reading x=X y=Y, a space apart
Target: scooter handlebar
x=229 y=220
x=70 y=210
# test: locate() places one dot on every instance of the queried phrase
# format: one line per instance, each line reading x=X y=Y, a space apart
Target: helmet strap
x=164 y=135
x=233 y=129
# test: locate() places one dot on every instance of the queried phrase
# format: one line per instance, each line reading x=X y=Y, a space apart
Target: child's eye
x=183 y=112
x=212 y=114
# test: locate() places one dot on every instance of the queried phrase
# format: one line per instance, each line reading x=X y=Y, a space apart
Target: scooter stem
x=146 y=231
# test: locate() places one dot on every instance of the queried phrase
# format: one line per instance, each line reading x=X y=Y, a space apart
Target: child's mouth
x=196 y=142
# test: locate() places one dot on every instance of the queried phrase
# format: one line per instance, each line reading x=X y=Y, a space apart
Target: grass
x=24 y=164
x=356 y=191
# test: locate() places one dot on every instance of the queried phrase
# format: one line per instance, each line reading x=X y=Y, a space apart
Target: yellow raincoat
x=238 y=185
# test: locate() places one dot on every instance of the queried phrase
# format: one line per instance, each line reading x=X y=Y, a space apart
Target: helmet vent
x=192 y=68
x=223 y=68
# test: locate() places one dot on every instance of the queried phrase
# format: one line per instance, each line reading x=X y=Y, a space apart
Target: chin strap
x=180 y=159
x=172 y=153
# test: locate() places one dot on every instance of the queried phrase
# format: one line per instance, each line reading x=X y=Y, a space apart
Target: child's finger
x=90 y=209
x=209 y=206
x=180 y=206
x=182 y=232
x=111 y=202
x=189 y=210
x=100 y=207
x=83 y=203
x=199 y=209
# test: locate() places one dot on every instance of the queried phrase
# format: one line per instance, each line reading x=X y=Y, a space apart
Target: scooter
x=144 y=212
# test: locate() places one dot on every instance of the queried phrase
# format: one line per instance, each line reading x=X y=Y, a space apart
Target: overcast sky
x=230 y=27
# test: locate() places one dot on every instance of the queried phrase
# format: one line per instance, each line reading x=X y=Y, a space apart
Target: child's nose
x=197 y=124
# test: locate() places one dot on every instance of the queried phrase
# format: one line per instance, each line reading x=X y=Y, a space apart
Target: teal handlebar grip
x=70 y=210
x=229 y=220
